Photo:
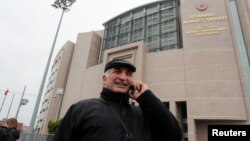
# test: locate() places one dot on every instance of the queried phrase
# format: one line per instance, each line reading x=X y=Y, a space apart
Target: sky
x=27 y=31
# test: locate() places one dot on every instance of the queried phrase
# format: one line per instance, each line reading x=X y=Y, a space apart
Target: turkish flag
x=6 y=92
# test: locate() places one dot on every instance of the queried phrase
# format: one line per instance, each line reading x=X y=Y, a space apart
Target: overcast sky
x=27 y=30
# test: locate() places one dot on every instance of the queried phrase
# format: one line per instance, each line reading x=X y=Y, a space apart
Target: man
x=112 y=118
x=12 y=129
x=8 y=131
x=4 y=136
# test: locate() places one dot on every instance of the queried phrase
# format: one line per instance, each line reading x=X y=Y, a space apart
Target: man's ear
x=104 y=78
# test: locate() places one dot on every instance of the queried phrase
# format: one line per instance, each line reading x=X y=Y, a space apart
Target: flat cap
x=119 y=63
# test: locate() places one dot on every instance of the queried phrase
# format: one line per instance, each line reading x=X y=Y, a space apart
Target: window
x=113 y=23
x=153 y=43
x=137 y=35
x=152 y=19
x=169 y=40
x=124 y=39
x=124 y=28
x=152 y=9
x=138 y=23
x=125 y=19
x=152 y=30
x=167 y=5
x=112 y=31
x=168 y=26
x=111 y=42
x=168 y=14
x=138 y=14
x=182 y=117
x=156 y=23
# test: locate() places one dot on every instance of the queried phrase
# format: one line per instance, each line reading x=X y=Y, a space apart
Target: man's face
x=118 y=79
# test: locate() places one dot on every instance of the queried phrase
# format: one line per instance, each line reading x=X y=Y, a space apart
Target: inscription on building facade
x=207 y=29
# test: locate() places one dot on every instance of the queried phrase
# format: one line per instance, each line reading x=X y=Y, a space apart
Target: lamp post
x=20 y=103
x=64 y=5
x=59 y=93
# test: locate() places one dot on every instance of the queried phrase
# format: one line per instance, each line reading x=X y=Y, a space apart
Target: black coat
x=15 y=134
x=8 y=134
x=93 y=120
x=4 y=136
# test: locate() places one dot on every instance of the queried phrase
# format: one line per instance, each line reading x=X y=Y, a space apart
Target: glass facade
x=156 y=23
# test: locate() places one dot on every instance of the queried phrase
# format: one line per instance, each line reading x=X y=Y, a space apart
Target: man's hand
x=140 y=88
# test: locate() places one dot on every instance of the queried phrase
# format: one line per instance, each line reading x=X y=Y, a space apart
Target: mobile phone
x=132 y=89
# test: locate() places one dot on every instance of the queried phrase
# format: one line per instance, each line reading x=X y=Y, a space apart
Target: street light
x=20 y=103
x=59 y=93
x=64 y=5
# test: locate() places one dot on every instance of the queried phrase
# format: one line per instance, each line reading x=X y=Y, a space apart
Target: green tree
x=53 y=125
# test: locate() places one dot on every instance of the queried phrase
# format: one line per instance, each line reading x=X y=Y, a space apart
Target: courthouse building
x=193 y=54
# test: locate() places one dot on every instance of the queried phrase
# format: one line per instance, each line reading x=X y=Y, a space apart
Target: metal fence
x=35 y=137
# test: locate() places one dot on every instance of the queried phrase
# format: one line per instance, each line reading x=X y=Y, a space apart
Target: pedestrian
x=112 y=118
x=4 y=136
x=12 y=129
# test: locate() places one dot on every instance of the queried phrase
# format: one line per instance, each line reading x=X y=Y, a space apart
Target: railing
x=35 y=137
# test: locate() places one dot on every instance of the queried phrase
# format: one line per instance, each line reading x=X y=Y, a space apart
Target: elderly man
x=112 y=118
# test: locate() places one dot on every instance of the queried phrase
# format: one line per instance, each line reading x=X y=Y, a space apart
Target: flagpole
x=3 y=103
x=10 y=105
x=20 y=101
